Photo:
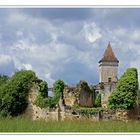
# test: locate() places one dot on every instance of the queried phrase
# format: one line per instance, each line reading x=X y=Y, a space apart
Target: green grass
x=21 y=124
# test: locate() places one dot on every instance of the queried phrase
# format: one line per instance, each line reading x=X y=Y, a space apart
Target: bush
x=84 y=85
x=101 y=86
x=13 y=94
x=3 y=79
x=124 y=96
x=58 y=87
x=98 y=100
x=43 y=88
x=40 y=101
x=51 y=102
x=89 y=110
x=139 y=96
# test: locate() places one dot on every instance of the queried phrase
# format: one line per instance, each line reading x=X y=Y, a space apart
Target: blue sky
x=67 y=43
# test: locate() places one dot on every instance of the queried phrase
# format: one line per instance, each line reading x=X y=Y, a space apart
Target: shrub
x=101 y=86
x=13 y=94
x=124 y=96
x=58 y=87
x=89 y=110
x=40 y=101
x=51 y=102
x=84 y=85
x=3 y=79
x=43 y=88
x=139 y=96
x=98 y=100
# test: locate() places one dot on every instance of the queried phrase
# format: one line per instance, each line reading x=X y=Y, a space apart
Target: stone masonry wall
x=74 y=95
x=62 y=113
x=119 y=115
x=86 y=98
x=35 y=112
x=106 y=92
x=71 y=114
x=108 y=70
x=71 y=95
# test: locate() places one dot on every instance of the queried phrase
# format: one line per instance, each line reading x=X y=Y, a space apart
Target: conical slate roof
x=109 y=55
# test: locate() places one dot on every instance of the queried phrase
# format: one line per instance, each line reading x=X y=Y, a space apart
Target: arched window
x=109 y=79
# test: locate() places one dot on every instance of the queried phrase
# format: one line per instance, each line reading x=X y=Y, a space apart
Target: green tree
x=51 y=102
x=124 y=96
x=3 y=79
x=139 y=96
x=84 y=85
x=13 y=94
x=43 y=89
x=58 y=87
x=98 y=100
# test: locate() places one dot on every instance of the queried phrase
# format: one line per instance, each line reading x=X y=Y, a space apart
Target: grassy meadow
x=22 y=124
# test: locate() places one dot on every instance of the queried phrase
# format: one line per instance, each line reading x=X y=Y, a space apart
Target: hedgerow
x=89 y=110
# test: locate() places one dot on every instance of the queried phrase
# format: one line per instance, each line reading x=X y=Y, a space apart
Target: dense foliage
x=124 y=96
x=84 y=85
x=139 y=96
x=89 y=110
x=101 y=86
x=43 y=89
x=13 y=94
x=51 y=102
x=58 y=87
x=98 y=100
x=3 y=79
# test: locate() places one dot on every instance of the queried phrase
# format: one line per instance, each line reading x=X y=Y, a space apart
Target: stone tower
x=108 y=71
x=108 y=66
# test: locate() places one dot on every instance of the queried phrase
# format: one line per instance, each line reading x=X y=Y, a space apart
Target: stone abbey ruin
x=83 y=96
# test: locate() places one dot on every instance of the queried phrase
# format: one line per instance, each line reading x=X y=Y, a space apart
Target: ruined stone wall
x=105 y=115
x=63 y=113
x=34 y=112
x=74 y=95
x=70 y=114
x=119 y=115
x=71 y=95
x=86 y=98
x=106 y=92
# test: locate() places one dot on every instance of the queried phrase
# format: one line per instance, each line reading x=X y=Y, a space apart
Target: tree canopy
x=13 y=93
x=124 y=96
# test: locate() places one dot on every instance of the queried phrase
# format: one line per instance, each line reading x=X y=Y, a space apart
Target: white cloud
x=0 y=36
x=88 y=59
x=53 y=47
x=131 y=34
x=49 y=78
x=5 y=59
x=50 y=59
x=27 y=66
x=43 y=59
x=6 y=65
x=15 y=18
x=19 y=33
x=136 y=64
x=91 y=32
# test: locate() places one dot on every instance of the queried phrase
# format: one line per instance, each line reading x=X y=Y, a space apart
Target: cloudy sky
x=67 y=43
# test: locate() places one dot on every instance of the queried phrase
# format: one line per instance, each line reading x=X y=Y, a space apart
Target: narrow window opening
x=109 y=79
